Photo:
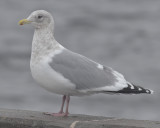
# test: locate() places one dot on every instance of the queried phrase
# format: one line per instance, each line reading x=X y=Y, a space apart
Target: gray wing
x=81 y=71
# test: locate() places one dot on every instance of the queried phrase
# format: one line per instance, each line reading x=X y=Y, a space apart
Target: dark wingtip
x=133 y=89
x=148 y=91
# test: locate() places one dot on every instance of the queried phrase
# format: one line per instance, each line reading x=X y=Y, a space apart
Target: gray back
x=81 y=71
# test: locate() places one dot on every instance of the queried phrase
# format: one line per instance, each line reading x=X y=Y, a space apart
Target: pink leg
x=67 y=106
x=60 y=113
x=63 y=101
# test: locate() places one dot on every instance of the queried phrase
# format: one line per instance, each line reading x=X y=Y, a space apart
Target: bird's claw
x=60 y=114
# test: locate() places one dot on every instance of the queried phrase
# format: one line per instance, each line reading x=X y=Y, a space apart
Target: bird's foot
x=60 y=114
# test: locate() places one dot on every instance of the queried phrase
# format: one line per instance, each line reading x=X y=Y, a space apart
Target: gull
x=66 y=73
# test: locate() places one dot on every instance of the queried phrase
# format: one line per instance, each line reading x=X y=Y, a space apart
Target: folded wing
x=86 y=74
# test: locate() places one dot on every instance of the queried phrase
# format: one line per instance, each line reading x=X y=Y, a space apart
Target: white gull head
x=43 y=40
x=39 y=19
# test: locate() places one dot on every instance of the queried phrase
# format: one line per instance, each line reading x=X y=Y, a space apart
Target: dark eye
x=39 y=17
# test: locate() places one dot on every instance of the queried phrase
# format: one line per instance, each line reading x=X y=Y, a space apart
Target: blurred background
x=122 y=34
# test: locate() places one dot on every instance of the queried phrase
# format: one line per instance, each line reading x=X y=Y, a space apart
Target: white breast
x=50 y=79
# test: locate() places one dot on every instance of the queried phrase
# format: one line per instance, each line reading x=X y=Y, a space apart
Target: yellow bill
x=24 y=21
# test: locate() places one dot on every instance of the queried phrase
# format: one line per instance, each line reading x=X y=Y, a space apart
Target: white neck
x=43 y=41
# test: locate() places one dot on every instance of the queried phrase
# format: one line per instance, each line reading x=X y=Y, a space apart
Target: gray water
x=123 y=34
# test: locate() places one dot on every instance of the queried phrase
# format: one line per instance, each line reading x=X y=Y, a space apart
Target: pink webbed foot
x=60 y=114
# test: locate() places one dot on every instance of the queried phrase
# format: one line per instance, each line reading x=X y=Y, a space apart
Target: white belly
x=50 y=79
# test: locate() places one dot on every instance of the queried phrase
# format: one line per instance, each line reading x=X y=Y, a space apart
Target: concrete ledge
x=31 y=119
